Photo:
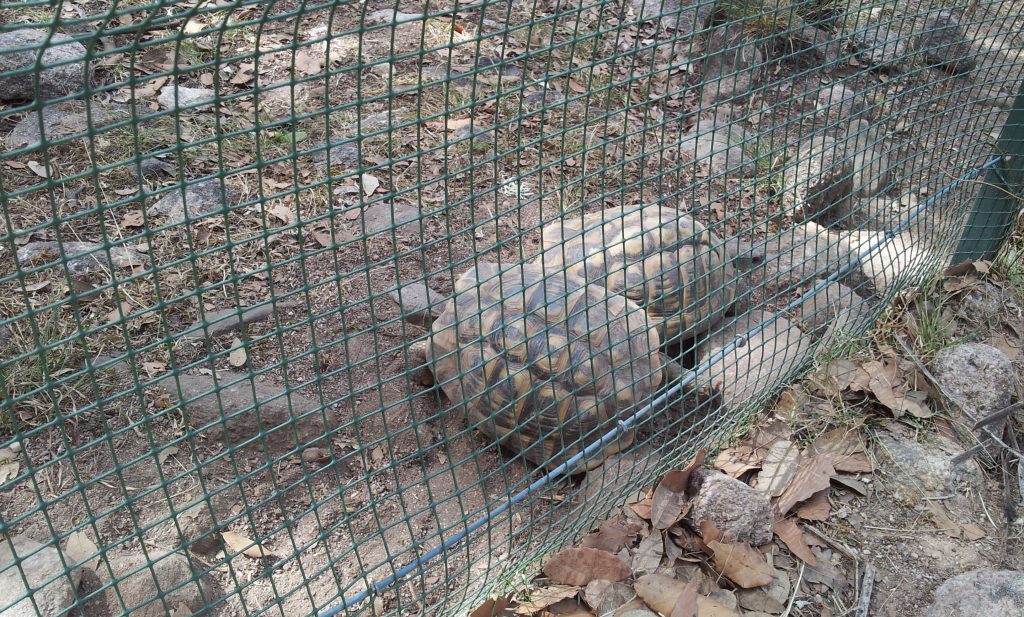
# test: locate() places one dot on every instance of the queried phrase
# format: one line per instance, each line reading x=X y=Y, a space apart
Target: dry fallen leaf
x=662 y=593
x=610 y=537
x=741 y=563
x=972 y=532
x=816 y=508
x=492 y=606
x=642 y=508
x=648 y=555
x=940 y=518
x=240 y=544
x=38 y=169
x=237 y=357
x=790 y=534
x=82 y=551
x=891 y=392
x=133 y=219
x=814 y=475
x=669 y=502
x=737 y=461
x=778 y=468
x=579 y=566
x=846 y=449
x=308 y=64
x=283 y=213
x=686 y=604
x=545 y=597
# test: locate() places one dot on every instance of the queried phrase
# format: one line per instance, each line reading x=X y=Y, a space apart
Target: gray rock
x=819 y=186
x=158 y=589
x=760 y=364
x=799 y=254
x=987 y=302
x=732 y=66
x=181 y=97
x=383 y=217
x=944 y=44
x=39 y=564
x=838 y=102
x=691 y=19
x=70 y=77
x=82 y=258
x=67 y=119
x=731 y=506
x=980 y=592
x=835 y=313
x=981 y=378
x=150 y=167
x=244 y=409
x=721 y=147
x=195 y=528
x=823 y=43
x=388 y=16
x=419 y=303
x=343 y=153
x=228 y=320
x=880 y=46
x=866 y=148
x=926 y=467
x=200 y=199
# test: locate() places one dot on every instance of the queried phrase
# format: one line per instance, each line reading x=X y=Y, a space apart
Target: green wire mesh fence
x=296 y=293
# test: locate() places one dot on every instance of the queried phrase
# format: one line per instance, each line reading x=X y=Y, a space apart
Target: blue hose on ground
x=624 y=425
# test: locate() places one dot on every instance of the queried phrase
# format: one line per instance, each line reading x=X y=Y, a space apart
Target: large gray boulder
x=44 y=570
x=980 y=593
x=732 y=66
x=242 y=410
x=820 y=185
x=67 y=71
x=945 y=45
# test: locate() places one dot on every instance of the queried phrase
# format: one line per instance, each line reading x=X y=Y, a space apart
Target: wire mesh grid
x=363 y=308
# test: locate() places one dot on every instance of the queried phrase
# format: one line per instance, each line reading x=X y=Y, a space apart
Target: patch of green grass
x=36 y=387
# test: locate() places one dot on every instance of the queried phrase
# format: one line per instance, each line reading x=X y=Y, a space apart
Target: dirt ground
x=111 y=453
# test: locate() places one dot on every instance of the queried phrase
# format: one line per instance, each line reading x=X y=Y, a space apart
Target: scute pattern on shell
x=542 y=364
x=659 y=257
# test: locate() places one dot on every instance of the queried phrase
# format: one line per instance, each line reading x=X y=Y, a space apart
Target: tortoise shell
x=656 y=256
x=544 y=365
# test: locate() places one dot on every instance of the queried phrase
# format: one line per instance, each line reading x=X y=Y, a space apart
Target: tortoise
x=657 y=256
x=541 y=362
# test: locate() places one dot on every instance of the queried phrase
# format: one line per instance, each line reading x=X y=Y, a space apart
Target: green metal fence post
x=1000 y=196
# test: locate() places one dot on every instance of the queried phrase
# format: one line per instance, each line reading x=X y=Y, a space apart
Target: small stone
x=67 y=119
x=731 y=506
x=879 y=45
x=828 y=49
x=945 y=45
x=419 y=303
x=157 y=589
x=720 y=147
x=927 y=468
x=733 y=64
x=182 y=97
x=81 y=258
x=341 y=153
x=245 y=408
x=201 y=198
x=383 y=217
x=819 y=187
x=38 y=564
x=980 y=592
x=67 y=74
x=150 y=167
x=228 y=320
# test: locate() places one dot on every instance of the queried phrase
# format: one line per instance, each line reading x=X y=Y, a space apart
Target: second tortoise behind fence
x=543 y=362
